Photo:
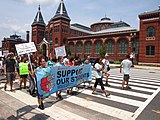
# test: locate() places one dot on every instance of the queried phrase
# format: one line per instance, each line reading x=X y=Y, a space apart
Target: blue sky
x=16 y=16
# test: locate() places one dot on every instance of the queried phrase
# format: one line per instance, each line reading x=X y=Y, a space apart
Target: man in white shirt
x=105 y=62
x=126 y=63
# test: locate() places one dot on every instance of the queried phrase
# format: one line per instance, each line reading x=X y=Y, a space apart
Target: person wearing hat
x=9 y=70
x=105 y=62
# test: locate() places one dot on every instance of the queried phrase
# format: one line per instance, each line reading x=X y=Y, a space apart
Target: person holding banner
x=59 y=63
x=23 y=66
x=98 y=75
x=42 y=64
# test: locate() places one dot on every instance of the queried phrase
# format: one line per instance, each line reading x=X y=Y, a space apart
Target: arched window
x=110 y=46
x=150 y=32
x=50 y=37
x=64 y=41
x=103 y=27
x=46 y=35
x=97 y=28
x=88 y=48
x=71 y=47
x=98 y=45
x=79 y=47
x=56 y=40
x=150 y=50
x=122 y=46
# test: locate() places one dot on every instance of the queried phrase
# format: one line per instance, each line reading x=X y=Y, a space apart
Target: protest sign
x=53 y=79
x=60 y=51
x=25 y=48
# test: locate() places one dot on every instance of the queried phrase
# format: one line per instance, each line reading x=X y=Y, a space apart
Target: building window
x=64 y=29
x=103 y=27
x=50 y=35
x=46 y=36
x=56 y=28
x=110 y=46
x=150 y=32
x=98 y=45
x=150 y=50
x=56 y=40
x=97 y=28
x=88 y=48
x=71 y=47
x=122 y=46
x=64 y=41
x=79 y=47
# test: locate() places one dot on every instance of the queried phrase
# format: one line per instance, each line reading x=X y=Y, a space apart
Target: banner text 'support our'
x=53 y=79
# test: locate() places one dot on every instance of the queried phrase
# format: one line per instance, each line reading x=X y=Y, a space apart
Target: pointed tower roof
x=61 y=11
x=39 y=18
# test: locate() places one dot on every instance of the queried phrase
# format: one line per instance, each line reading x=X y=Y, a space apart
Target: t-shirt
x=126 y=66
x=97 y=67
x=10 y=65
x=106 y=64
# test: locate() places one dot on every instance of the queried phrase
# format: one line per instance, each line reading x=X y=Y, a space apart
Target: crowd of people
x=20 y=67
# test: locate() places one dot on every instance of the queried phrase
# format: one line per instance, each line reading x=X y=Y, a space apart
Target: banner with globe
x=53 y=79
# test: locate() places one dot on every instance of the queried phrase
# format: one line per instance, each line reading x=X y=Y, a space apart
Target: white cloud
x=44 y=2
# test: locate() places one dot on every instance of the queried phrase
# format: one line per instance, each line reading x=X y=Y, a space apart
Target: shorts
x=23 y=76
x=126 y=77
x=10 y=76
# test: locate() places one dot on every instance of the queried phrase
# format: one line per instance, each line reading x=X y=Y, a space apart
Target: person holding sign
x=23 y=66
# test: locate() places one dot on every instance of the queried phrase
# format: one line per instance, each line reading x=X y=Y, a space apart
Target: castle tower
x=38 y=28
x=59 y=27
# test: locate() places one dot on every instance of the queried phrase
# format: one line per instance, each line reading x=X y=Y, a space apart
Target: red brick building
x=149 y=47
x=8 y=44
x=117 y=38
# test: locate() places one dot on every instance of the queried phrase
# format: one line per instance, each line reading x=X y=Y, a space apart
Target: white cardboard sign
x=60 y=51
x=25 y=48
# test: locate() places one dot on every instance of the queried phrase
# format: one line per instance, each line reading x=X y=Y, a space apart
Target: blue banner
x=53 y=79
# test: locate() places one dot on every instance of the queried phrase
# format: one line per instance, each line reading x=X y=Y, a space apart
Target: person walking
x=24 y=71
x=10 y=70
x=106 y=66
x=42 y=64
x=126 y=64
x=98 y=75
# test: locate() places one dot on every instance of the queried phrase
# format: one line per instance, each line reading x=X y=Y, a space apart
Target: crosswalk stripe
x=116 y=99
x=112 y=111
x=126 y=92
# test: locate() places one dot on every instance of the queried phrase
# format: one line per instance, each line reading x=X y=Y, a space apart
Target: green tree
x=40 y=51
x=102 y=51
x=69 y=51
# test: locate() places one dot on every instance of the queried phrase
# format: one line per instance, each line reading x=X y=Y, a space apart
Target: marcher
x=98 y=75
x=42 y=64
x=106 y=66
x=126 y=64
x=9 y=70
x=87 y=61
x=132 y=56
x=24 y=71
x=59 y=63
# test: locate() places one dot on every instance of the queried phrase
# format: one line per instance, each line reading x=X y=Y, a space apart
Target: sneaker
x=40 y=107
x=108 y=94
x=128 y=87
x=68 y=92
x=94 y=93
x=60 y=97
